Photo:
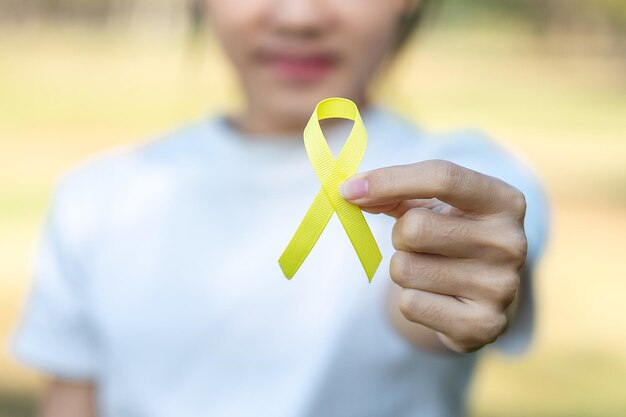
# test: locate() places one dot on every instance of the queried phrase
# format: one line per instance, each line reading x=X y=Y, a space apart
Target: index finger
x=458 y=186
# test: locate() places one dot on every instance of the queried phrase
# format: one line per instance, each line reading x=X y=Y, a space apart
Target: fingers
x=396 y=209
x=460 y=245
x=455 y=277
x=425 y=231
x=436 y=311
x=461 y=187
x=468 y=325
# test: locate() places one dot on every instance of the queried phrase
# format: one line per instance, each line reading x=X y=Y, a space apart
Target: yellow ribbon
x=331 y=174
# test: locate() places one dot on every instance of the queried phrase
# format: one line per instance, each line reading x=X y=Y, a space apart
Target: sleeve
x=475 y=151
x=55 y=334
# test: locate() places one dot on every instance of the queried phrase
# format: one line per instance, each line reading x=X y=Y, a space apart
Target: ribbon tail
x=360 y=235
x=307 y=234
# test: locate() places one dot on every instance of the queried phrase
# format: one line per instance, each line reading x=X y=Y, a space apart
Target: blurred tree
x=196 y=10
x=608 y=16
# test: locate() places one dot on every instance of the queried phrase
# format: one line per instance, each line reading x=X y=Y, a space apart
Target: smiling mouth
x=300 y=68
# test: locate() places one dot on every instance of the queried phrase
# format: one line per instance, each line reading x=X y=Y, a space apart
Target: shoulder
x=406 y=142
x=392 y=133
x=477 y=150
x=84 y=193
x=114 y=168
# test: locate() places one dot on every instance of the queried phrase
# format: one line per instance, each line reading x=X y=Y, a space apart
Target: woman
x=157 y=289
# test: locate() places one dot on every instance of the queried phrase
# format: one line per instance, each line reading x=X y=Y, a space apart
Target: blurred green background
x=547 y=78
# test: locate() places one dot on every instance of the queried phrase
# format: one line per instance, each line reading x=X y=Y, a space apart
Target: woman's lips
x=305 y=68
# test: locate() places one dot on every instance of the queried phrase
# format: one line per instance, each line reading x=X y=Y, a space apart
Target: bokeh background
x=547 y=78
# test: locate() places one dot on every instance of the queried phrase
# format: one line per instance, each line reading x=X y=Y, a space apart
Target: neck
x=259 y=120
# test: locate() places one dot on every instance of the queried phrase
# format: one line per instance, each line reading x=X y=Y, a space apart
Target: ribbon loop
x=331 y=173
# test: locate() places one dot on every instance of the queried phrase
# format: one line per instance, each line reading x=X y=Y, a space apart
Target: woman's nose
x=303 y=18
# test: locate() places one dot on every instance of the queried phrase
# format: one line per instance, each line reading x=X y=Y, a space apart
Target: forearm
x=68 y=399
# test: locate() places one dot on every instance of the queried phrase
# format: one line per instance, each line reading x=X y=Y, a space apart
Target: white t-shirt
x=157 y=277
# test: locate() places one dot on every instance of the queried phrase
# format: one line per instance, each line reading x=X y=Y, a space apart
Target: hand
x=460 y=246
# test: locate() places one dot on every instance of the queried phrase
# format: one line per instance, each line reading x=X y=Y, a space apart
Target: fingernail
x=354 y=188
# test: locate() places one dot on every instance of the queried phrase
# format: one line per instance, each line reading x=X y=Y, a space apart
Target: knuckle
x=516 y=248
x=518 y=203
x=406 y=304
x=418 y=312
x=434 y=312
x=508 y=244
x=491 y=325
x=450 y=175
x=520 y=244
x=408 y=272
x=479 y=329
x=429 y=275
x=467 y=333
x=417 y=222
x=400 y=268
x=461 y=347
x=410 y=227
x=460 y=230
x=465 y=339
x=504 y=289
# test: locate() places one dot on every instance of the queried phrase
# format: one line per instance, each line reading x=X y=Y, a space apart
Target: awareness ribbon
x=331 y=173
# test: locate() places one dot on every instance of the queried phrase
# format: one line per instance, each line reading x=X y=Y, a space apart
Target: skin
x=357 y=35
x=68 y=399
x=459 y=236
x=460 y=250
